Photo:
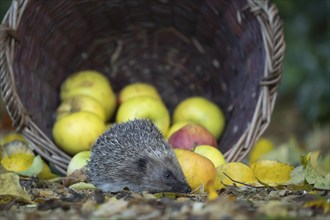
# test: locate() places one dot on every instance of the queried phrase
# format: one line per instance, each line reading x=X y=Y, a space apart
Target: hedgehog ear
x=142 y=164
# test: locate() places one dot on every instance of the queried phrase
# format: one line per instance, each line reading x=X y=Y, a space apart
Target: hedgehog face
x=161 y=175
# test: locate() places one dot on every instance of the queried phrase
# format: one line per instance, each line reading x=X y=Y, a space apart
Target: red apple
x=191 y=135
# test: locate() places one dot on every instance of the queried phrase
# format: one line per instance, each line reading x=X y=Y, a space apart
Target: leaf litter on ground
x=299 y=192
x=53 y=199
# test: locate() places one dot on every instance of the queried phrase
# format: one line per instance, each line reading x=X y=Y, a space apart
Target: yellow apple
x=78 y=161
x=212 y=153
x=91 y=83
x=198 y=170
x=80 y=103
x=201 y=111
x=145 y=107
x=77 y=131
x=137 y=89
x=176 y=126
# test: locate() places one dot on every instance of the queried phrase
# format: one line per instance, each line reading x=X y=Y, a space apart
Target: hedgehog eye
x=167 y=174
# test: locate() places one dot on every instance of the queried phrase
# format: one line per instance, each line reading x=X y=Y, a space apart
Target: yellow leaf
x=15 y=147
x=34 y=169
x=27 y=165
x=17 y=162
x=11 y=189
x=261 y=147
x=322 y=203
x=234 y=171
x=272 y=172
x=12 y=137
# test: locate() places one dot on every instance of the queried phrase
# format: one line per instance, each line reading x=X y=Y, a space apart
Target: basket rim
x=274 y=46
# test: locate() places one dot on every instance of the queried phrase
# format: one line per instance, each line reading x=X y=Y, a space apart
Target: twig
x=235 y=181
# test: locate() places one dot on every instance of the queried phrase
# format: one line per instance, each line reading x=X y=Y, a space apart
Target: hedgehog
x=134 y=155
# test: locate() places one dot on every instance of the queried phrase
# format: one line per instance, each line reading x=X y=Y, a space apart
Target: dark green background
x=306 y=78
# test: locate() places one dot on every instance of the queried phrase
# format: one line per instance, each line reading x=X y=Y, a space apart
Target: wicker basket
x=228 y=51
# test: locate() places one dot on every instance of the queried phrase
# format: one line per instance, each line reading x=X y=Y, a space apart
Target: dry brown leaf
x=76 y=177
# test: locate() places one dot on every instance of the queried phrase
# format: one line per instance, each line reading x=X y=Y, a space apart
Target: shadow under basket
x=230 y=52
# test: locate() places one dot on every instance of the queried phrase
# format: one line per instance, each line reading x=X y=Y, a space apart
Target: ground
x=52 y=200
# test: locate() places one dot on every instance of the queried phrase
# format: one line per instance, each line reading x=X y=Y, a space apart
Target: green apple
x=145 y=107
x=77 y=131
x=201 y=111
x=191 y=135
x=137 y=89
x=80 y=103
x=91 y=83
x=78 y=161
x=212 y=153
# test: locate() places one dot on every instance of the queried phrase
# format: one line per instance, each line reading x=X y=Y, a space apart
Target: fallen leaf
x=318 y=181
x=15 y=147
x=234 y=173
x=117 y=206
x=321 y=164
x=82 y=186
x=11 y=190
x=34 y=169
x=17 y=162
x=298 y=176
x=322 y=203
x=274 y=209
x=88 y=206
x=169 y=195
x=272 y=172
x=314 y=173
x=77 y=176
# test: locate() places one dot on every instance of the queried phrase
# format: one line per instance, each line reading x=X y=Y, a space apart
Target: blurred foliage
x=4 y=5
x=306 y=77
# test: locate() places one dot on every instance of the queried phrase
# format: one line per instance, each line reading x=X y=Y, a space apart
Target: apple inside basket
x=230 y=52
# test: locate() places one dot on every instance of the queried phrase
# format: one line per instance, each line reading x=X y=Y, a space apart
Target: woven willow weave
x=230 y=52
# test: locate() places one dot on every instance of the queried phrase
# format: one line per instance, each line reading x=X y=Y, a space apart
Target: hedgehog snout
x=187 y=189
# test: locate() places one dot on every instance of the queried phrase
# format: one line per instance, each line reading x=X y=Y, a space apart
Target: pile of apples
x=87 y=103
x=89 y=106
